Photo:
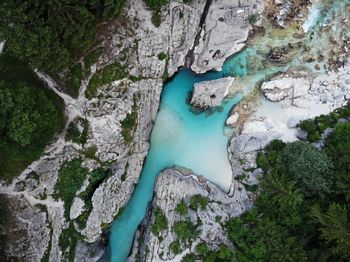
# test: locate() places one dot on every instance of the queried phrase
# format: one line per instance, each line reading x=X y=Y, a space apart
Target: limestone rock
x=232 y=119
x=224 y=32
x=27 y=233
x=170 y=189
x=280 y=88
x=77 y=208
x=210 y=93
x=243 y=150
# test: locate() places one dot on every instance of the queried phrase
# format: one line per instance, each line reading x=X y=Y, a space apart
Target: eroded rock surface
x=210 y=93
x=224 y=32
x=171 y=188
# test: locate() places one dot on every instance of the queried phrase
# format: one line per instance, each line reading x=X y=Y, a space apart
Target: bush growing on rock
x=186 y=231
x=202 y=249
x=181 y=208
x=189 y=258
x=160 y=222
x=175 y=247
x=70 y=179
x=319 y=124
x=198 y=201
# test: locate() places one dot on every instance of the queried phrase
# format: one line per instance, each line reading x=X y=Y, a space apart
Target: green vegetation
x=160 y=222
x=96 y=177
x=50 y=35
x=253 y=18
x=175 y=247
x=80 y=70
x=77 y=131
x=91 y=58
x=123 y=176
x=315 y=127
x=70 y=179
x=181 y=208
x=186 y=231
x=189 y=258
x=156 y=6
x=68 y=241
x=198 y=201
x=129 y=122
x=302 y=211
x=202 y=249
x=162 y=56
x=105 y=76
x=30 y=115
x=74 y=80
x=310 y=168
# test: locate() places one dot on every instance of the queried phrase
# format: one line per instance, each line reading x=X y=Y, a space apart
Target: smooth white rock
x=211 y=93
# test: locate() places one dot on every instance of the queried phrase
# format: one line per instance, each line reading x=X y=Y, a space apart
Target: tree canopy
x=51 y=34
x=30 y=115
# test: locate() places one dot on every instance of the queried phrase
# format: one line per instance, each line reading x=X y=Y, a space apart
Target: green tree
x=202 y=249
x=335 y=228
x=338 y=149
x=263 y=240
x=50 y=34
x=181 y=208
x=198 y=201
x=310 y=167
x=185 y=230
x=160 y=222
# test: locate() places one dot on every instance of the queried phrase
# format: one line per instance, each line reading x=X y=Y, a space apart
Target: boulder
x=225 y=30
x=210 y=93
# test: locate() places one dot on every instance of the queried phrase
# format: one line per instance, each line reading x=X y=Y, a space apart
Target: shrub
x=70 y=179
x=129 y=123
x=162 y=56
x=253 y=18
x=175 y=247
x=198 y=201
x=156 y=4
x=185 y=230
x=189 y=258
x=202 y=249
x=74 y=80
x=181 y=208
x=105 y=76
x=160 y=222
x=77 y=131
